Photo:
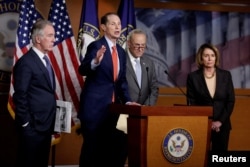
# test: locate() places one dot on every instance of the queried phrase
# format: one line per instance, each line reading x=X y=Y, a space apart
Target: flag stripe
x=64 y=58
x=27 y=17
x=67 y=82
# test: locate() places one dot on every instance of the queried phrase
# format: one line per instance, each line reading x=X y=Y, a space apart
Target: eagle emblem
x=177 y=145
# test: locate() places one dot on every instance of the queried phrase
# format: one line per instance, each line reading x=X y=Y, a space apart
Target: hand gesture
x=99 y=55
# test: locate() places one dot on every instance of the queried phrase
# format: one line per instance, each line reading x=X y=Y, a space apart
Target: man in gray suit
x=141 y=76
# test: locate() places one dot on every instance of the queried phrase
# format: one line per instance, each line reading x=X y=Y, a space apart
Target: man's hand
x=99 y=55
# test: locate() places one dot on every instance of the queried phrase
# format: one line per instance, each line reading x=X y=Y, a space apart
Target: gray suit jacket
x=148 y=93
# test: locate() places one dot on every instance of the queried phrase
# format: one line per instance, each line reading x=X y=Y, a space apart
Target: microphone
x=149 y=90
x=171 y=78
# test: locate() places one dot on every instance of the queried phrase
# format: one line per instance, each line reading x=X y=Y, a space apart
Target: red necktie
x=115 y=67
x=115 y=62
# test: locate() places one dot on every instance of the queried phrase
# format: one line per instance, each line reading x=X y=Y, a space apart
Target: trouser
x=104 y=147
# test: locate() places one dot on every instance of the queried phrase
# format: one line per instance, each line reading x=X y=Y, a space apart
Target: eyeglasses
x=139 y=46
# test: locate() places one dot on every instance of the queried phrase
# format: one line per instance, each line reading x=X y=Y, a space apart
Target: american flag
x=89 y=26
x=28 y=16
x=65 y=59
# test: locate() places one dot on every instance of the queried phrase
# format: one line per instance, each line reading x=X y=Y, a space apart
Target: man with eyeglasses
x=140 y=74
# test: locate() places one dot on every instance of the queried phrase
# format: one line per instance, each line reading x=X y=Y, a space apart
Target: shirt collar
x=38 y=52
x=110 y=43
x=132 y=58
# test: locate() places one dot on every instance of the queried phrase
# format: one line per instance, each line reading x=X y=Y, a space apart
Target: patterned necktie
x=49 y=68
x=138 y=71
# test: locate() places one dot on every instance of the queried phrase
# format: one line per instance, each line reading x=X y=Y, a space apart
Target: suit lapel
x=130 y=68
x=145 y=73
x=119 y=60
x=218 y=82
x=107 y=58
x=203 y=84
x=41 y=66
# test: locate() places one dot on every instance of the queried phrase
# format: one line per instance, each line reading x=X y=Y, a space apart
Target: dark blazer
x=99 y=85
x=148 y=93
x=223 y=100
x=34 y=96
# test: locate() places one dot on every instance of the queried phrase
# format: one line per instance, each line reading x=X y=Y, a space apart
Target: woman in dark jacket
x=212 y=86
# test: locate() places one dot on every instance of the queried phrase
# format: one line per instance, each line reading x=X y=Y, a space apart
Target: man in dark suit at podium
x=105 y=83
x=141 y=76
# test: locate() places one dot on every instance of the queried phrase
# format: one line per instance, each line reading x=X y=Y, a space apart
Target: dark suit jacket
x=34 y=97
x=148 y=93
x=223 y=100
x=99 y=85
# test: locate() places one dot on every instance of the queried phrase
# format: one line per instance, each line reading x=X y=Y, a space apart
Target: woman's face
x=208 y=58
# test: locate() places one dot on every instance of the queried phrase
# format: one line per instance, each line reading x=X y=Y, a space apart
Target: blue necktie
x=138 y=71
x=49 y=68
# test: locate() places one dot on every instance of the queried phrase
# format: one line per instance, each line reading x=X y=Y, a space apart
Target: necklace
x=209 y=77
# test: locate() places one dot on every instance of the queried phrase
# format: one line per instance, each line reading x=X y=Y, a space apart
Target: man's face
x=112 y=28
x=137 y=45
x=46 y=41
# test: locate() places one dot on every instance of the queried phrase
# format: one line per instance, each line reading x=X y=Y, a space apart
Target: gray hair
x=136 y=31
x=38 y=28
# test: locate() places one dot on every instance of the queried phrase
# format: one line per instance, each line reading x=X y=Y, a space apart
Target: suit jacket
x=34 y=96
x=223 y=100
x=148 y=93
x=99 y=85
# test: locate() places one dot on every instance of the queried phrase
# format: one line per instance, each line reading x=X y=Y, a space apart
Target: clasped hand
x=216 y=126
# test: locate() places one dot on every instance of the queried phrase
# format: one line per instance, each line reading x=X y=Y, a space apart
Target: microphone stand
x=177 y=86
x=149 y=90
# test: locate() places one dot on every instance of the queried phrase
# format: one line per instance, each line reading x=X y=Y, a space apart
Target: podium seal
x=177 y=145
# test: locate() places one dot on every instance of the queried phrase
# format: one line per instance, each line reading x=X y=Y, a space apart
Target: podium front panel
x=160 y=129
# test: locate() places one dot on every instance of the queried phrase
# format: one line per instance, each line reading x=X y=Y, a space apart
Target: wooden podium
x=149 y=129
